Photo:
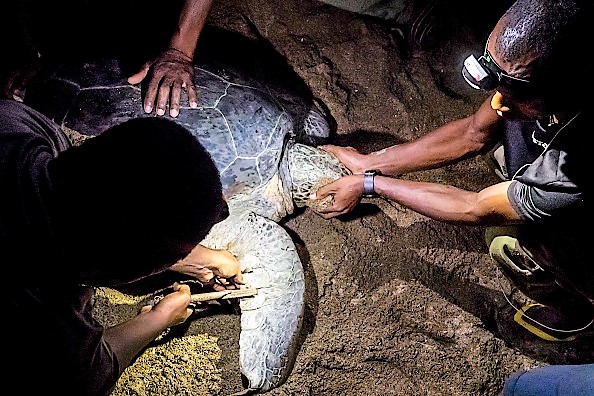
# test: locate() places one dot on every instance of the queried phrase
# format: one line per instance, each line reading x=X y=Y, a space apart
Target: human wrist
x=369 y=183
x=179 y=53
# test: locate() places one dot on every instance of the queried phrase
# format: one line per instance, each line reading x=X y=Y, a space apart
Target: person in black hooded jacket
x=129 y=203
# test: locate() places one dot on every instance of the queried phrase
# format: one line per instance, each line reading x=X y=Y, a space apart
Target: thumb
x=321 y=193
x=139 y=75
x=146 y=308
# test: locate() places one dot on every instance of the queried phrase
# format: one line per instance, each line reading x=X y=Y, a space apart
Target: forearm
x=452 y=142
x=443 y=146
x=450 y=204
x=191 y=21
x=195 y=264
x=129 y=338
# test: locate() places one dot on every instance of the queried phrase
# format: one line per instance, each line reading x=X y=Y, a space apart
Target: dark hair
x=554 y=32
x=139 y=195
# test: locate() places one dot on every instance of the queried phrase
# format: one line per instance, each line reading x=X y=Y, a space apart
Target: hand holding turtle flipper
x=226 y=270
x=218 y=268
x=348 y=156
x=347 y=194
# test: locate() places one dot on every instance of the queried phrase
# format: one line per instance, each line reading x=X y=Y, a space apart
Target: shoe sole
x=519 y=319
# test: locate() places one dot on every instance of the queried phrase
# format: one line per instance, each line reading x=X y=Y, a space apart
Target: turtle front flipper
x=311 y=168
x=271 y=320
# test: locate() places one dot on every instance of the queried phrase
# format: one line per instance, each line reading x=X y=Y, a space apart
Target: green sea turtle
x=262 y=141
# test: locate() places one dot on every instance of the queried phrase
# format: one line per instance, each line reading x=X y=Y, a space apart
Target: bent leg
x=554 y=380
x=560 y=309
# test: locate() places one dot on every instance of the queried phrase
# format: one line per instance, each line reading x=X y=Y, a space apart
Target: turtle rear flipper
x=271 y=320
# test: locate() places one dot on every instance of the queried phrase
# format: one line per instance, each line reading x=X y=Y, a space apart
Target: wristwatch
x=368 y=183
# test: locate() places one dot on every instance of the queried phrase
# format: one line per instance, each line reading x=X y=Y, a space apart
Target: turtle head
x=311 y=168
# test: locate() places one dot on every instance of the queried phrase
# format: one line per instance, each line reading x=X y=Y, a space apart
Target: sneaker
x=551 y=324
x=508 y=252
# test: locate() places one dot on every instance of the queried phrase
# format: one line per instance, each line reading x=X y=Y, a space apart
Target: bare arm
x=449 y=143
x=128 y=339
x=173 y=69
x=190 y=23
x=489 y=206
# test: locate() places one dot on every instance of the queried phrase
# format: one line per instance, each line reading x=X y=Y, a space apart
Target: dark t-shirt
x=49 y=339
x=549 y=168
x=551 y=190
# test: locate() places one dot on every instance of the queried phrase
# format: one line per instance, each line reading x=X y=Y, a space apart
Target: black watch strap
x=368 y=183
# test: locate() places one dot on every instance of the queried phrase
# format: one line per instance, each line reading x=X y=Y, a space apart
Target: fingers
x=181 y=288
x=184 y=298
x=328 y=147
x=192 y=95
x=346 y=193
x=163 y=98
x=226 y=268
x=172 y=72
x=167 y=91
x=238 y=278
x=221 y=282
x=336 y=150
x=325 y=190
x=232 y=282
x=175 y=98
x=218 y=268
x=338 y=208
x=349 y=157
x=151 y=94
x=335 y=211
x=146 y=308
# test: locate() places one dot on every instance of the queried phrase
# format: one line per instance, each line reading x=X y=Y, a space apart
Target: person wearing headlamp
x=536 y=125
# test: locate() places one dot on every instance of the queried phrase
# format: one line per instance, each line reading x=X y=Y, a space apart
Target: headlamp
x=484 y=73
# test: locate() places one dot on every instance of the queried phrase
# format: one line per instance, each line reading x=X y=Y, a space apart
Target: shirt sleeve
x=536 y=204
x=551 y=186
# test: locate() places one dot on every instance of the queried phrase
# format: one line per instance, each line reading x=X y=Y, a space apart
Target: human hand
x=347 y=193
x=226 y=270
x=218 y=268
x=14 y=81
x=174 y=307
x=348 y=156
x=172 y=70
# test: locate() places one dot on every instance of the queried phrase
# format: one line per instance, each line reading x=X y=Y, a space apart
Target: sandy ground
x=397 y=304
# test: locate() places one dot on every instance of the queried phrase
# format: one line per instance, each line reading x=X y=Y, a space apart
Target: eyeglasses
x=485 y=73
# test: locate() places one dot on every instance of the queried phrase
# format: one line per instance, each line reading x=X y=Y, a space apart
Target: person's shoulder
x=19 y=123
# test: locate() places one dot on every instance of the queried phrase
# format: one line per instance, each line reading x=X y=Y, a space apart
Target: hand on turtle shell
x=171 y=72
x=347 y=194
